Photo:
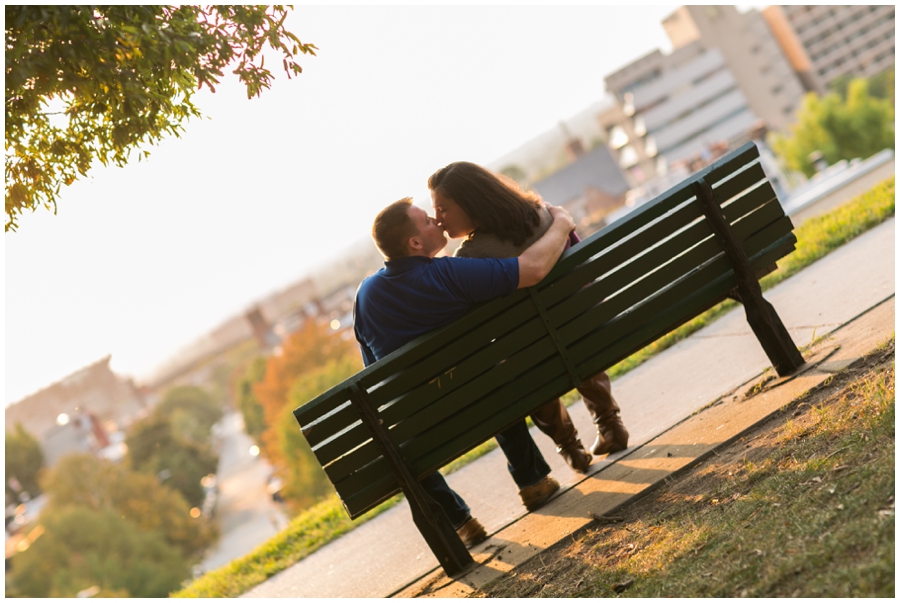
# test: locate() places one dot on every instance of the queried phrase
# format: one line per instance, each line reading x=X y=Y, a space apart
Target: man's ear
x=415 y=243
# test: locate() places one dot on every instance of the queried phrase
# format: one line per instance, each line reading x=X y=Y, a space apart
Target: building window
x=617 y=137
x=627 y=157
x=777 y=90
x=640 y=128
x=788 y=110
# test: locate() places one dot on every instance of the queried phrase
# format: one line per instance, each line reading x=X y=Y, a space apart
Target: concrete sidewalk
x=387 y=555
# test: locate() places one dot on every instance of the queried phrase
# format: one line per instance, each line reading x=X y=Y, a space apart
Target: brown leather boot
x=611 y=433
x=554 y=420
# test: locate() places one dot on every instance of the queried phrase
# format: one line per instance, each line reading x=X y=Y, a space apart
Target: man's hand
x=537 y=261
x=560 y=213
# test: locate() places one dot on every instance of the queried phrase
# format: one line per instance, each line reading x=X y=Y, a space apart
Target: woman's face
x=450 y=216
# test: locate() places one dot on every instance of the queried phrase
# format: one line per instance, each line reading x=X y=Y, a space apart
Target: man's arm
x=537 y=261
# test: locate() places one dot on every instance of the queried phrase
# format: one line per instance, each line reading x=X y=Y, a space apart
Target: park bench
x=627 y=285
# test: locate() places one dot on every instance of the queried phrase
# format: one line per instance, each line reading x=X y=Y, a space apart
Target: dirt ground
x=572 y=567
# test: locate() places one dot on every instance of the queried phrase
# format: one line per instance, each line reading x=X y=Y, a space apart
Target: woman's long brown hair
x=495 y=203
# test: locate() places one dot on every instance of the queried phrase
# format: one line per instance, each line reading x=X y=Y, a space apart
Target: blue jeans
x=524 y=461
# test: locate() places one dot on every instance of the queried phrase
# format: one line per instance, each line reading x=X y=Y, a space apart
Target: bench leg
x=428 y=516
x=772 y=335
x=440 y=536
x=765 y=322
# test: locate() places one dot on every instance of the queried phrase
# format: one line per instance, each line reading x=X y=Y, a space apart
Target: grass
x=803 y=507
x=326 y=521
x=306 y=533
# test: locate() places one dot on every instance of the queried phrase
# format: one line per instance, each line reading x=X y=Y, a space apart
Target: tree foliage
x=880 y=85
x=191 y=411
x=305 y=482
x=859 y=126
x=80 y=480
x=156 y=448
x=81 y=548
x=24 y=460
x=248 y=405
x=312 y=360
x=91 y=83
x=175 y=441
x=313 y=346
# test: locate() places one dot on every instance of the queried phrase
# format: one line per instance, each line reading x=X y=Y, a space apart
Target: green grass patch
x=306 y=533
x=319 y=525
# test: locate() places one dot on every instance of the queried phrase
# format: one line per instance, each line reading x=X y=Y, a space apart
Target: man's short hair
x=393 y=228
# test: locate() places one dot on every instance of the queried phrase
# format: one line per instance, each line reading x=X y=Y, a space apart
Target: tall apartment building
x=835 y=41
x=725 y=75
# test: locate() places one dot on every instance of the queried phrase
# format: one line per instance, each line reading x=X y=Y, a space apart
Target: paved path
x=388 y=553
x=246 y=514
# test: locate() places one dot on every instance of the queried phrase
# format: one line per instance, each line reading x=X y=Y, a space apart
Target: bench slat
x=540 y=359
x=658 y=232
x=423 y=372
x=740 y=159
x=466 y=396
x=469 y=371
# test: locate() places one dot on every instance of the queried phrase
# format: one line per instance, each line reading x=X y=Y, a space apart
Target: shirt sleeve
x=367 y=354
x=479 y=279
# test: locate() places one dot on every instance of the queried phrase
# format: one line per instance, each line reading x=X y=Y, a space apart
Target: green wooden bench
x=426 y=404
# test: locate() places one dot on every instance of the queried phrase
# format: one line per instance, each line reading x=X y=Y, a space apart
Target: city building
x=725 y=76
x=76 y=413
x=81 y=432
x=828 y=42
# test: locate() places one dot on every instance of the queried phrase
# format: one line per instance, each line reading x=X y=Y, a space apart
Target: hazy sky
x=142 y=260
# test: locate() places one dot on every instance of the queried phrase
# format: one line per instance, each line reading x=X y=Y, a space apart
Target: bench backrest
x=609 y=296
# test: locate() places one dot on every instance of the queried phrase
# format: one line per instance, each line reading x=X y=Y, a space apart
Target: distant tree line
x=131 y=529
x=855 y=119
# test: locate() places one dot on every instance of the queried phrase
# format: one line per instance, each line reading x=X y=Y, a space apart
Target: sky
x=140 y=261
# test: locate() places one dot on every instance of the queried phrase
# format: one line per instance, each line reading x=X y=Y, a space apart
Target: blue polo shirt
x=414 y=295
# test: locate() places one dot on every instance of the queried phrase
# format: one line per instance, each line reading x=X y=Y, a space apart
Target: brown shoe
x=472 y=533
x=576 y=456
x=534 y=497
x=611 y=435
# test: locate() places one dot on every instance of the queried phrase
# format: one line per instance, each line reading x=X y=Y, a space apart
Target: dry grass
x=803 y=506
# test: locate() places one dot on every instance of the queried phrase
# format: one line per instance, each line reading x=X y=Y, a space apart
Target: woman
x=499 y=219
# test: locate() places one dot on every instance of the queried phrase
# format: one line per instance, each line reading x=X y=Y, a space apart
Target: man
x=416 y=293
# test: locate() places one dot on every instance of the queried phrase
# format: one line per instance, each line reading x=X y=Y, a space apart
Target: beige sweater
x=482 y=245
